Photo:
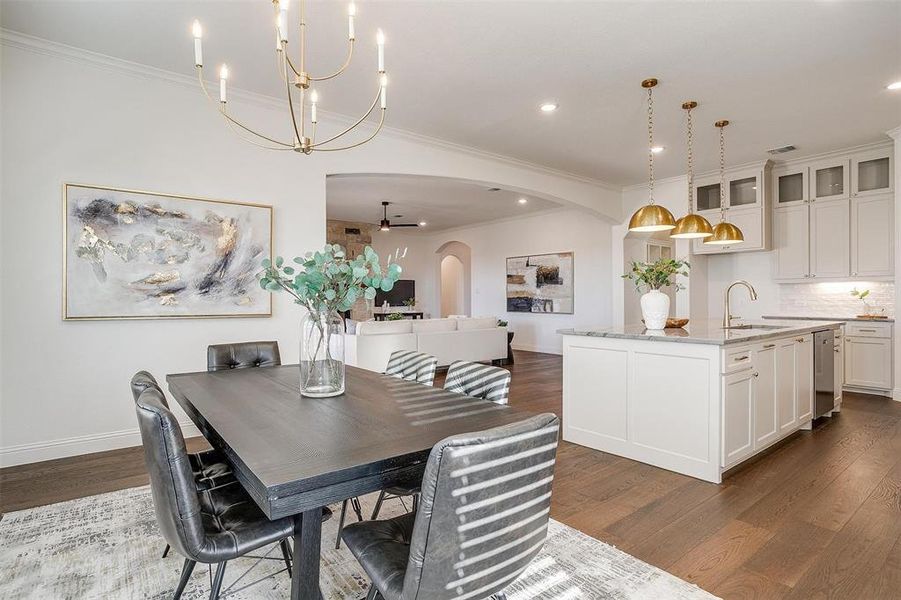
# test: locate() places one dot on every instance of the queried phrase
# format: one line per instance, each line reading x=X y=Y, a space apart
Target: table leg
x=307 y=540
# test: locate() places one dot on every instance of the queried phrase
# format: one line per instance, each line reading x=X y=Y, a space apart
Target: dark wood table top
x=294 y=453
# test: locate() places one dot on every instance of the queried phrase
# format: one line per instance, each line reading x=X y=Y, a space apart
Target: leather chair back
x=175 y=500
x=478 y=380
x=143 y=380
x=484 y=510
x=412 y=366
x=243 y=355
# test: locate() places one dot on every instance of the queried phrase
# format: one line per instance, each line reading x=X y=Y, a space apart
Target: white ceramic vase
x=655 y=309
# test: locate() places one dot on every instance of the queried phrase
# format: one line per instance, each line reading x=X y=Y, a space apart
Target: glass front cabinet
x=872 y=173
x=829 y=180
x=745 y=204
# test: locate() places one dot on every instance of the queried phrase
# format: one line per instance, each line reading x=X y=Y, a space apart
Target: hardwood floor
x=818 y=517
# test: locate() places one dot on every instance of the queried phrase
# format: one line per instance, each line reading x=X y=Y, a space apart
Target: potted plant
x=868 y=310
x=327 y=283
x=649 y=278
x=395 y=316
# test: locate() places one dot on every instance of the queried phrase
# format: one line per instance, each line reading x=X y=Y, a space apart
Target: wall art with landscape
x=541 y=283
x=134 y=255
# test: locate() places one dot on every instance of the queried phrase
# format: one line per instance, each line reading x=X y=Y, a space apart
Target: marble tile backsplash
x=834 y=299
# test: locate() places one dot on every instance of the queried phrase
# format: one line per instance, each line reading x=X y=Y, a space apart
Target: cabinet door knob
x=756 y=374
x=800 y=340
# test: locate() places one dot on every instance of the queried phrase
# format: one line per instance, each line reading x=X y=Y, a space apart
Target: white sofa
x=478 y=339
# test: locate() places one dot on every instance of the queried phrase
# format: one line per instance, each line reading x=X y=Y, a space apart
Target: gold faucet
x=727 y=312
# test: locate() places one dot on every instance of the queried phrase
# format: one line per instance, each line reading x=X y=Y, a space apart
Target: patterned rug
x=108 y=547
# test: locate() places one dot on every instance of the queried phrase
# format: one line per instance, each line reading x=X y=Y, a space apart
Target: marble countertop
x=830 y=318
x=709 y=332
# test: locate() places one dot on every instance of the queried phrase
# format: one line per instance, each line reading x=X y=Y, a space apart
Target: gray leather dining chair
x=209 y=467
x=242 y=355
x=212 y=526
x=468 y=378
x=483 y=516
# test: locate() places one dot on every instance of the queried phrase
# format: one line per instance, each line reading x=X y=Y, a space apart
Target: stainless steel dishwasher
x=823 y=372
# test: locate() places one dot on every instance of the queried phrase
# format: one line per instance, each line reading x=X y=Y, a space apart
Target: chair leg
x=358 y=508
x=500 y=596
x=166 y=551
x=415 y=503
x=217 y=581
x=286 y=553
x=373 y=593
x=341 y=522
x=186 y=571
x=378 y=506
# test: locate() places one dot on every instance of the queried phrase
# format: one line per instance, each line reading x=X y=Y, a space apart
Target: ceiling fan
x=385 y=224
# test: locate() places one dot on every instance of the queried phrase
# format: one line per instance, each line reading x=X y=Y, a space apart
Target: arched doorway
x=453 y=272
x=452 y=301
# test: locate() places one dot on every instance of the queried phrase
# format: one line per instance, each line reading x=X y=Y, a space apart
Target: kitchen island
x=698 y=400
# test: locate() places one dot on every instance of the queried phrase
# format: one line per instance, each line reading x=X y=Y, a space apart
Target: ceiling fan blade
x=404 y=225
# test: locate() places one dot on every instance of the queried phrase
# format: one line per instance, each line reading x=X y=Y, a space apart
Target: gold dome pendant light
x=691 y=225
x=651 y=217
x=724 y=232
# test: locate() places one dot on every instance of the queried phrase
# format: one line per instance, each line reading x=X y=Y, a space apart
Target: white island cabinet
x=697 y=401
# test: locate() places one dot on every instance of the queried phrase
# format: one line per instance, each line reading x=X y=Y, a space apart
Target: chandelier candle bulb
x=197 y=30
x=314 y=98
x=380 y=40
x=384 y=91
x=223 y=78
x=351 y=12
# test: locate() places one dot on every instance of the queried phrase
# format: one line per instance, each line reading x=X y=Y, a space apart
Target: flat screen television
x=403 y=289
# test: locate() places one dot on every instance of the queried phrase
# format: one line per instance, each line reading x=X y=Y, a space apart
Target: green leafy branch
x=656 y=275
x=328 y=280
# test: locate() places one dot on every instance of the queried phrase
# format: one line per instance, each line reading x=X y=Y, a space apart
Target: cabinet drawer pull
x=836 y=350
x=867 y=330
x=738 y=358
x=769 y=346
x=800 y=340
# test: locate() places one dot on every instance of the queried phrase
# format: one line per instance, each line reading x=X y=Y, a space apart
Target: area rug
x=109 y=547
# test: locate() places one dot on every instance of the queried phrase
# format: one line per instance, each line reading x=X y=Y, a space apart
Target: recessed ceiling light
x=522 y=200
x=549 y=107
x=422 y=223
x=894 y=86
x=657 y=149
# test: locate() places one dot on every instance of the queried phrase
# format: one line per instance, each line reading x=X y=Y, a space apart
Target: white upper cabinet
x=791 y=240
x=790 y=186
x=872 y=236
x=872 y=173
x=829 y=180
x=834 y=219
x=830 y=250
x=745 y=203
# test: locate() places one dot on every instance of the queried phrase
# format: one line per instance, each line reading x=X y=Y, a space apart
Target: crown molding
x=895 y=133
x=45 y=47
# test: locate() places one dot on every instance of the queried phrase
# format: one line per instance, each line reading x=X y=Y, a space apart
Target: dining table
x=296 y=454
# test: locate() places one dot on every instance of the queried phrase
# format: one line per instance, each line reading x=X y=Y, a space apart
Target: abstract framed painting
x=540 y=283
x=130 y=254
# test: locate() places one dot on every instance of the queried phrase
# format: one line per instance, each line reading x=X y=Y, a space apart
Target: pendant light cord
x=722 y=175
x=690 y=171
x=650 y=145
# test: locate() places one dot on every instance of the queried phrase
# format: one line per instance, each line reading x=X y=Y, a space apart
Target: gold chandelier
x=691 y=225
x=651 y=217
x=724 y=232
x=299 y=81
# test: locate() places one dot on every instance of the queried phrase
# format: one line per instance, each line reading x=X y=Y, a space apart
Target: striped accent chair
x=478 y=380
x=482 y=518
x=412 y=366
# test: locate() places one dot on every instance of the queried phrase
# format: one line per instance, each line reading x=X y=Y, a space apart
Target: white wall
x=71 y=116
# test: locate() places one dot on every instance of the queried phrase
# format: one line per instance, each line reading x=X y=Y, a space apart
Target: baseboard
x=75 y=446
x=896 y=394
x=536 y=348
x=872 y=391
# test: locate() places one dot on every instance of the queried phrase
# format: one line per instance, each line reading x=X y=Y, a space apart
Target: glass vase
x=322 y=354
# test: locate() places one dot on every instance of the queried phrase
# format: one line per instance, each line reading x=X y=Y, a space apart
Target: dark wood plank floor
x=819 y=517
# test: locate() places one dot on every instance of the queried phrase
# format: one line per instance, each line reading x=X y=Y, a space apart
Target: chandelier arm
x=374 y=133
x=358 y=121
x=231 y=119
x=297 y=132
x=350 y=53
x=290 y=63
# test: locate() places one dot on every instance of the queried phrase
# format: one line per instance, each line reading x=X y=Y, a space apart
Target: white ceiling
x=812 y=74
x=442 y=203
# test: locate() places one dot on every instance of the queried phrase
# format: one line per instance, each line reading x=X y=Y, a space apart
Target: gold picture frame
x=228 y=207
